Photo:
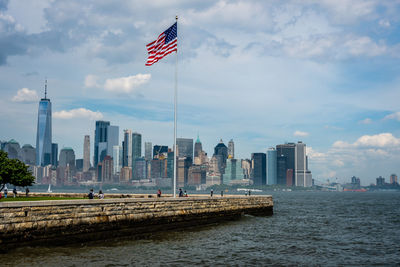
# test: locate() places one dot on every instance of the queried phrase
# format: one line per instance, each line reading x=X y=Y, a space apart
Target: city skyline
x=328 y=76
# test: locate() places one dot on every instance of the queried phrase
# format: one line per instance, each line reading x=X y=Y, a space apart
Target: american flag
x=166 y=43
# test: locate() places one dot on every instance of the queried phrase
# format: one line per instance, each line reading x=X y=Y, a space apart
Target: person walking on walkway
x=180 y=192
x=212 y=193
x=15 y=192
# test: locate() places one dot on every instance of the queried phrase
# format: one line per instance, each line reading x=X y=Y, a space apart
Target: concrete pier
x=68 y=221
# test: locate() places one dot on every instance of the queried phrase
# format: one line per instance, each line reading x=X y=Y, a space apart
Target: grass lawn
x=23 y=198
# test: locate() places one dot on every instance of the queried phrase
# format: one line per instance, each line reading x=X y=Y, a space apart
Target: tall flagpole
x=175 y=98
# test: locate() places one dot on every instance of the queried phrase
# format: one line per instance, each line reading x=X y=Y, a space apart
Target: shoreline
x=79 y=220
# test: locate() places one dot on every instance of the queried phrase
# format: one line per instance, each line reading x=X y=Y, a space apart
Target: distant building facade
x=86 y=153
x=272 y=175
x=185 y=147
x=258 y=162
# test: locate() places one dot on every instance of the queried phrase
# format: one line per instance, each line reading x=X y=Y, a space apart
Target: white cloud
x=384 y=23
x=78 y=113
x=364 y=45
x=366 y=121
x=393 y=116
x=300 y=134
x=379 y=140
x=91 y=81
x=25 y=95
x=383 y=140
x=312 y=154
x=117 y=85
x=126 y=84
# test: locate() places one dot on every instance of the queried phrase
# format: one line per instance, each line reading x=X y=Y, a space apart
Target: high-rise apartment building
x=43 y=135
x=272 y=175
x=185 y=147
x=127 y=149
x=100 y=141
x=148 y=146
x=258 y=164
x=231 y=149
x=86 y=153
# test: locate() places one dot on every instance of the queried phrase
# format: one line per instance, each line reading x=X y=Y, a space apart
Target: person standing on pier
x=212 y=193
x=159 y=193
x=91 y=195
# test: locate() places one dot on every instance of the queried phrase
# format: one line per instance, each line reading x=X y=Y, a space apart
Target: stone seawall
x=64 y=221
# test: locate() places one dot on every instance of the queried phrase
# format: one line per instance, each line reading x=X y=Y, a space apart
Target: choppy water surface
x=308 y=228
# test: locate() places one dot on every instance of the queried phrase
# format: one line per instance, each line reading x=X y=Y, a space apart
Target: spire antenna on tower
x=45 y=89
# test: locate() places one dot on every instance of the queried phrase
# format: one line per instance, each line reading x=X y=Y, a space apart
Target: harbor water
x=307 y=229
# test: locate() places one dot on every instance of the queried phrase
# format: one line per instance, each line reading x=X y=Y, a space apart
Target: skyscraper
x=300 y=167
x=185 y=147
x=28 y=154
x=67 y=157
x=231 y=149
x=136 y=146
x=112 y=139
x=148 y=146
x=289 y=151
x=281 y=171
x=158 y=151
x=197 y=147
x=127 y=149
x=271 y=166
x=43 y=136
x=86 y=153
x=117 y=156
x=258 y=162
x=100 y=141
x=54 y=154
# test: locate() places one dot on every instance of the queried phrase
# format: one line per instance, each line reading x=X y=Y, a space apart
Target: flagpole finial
x=176 y=17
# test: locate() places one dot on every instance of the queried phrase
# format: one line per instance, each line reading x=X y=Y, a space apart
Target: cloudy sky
x=260 y=72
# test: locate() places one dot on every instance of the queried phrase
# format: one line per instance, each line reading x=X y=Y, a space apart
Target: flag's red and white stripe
x=159 y=49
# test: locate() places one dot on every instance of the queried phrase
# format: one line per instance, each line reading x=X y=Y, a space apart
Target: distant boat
x=355 y=190
x=49 y=189
x=245 y=189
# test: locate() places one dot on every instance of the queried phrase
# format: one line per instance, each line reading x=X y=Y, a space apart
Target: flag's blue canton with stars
x=166 y=43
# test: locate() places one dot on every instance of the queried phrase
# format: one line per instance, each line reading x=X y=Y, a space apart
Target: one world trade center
x=43 y=136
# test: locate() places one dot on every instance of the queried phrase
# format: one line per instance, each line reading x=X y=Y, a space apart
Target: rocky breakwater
x=67 y=221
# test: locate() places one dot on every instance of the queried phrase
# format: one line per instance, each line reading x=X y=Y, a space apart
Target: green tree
x=14 y=171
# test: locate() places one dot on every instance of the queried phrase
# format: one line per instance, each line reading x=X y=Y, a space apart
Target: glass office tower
x=43 y=135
